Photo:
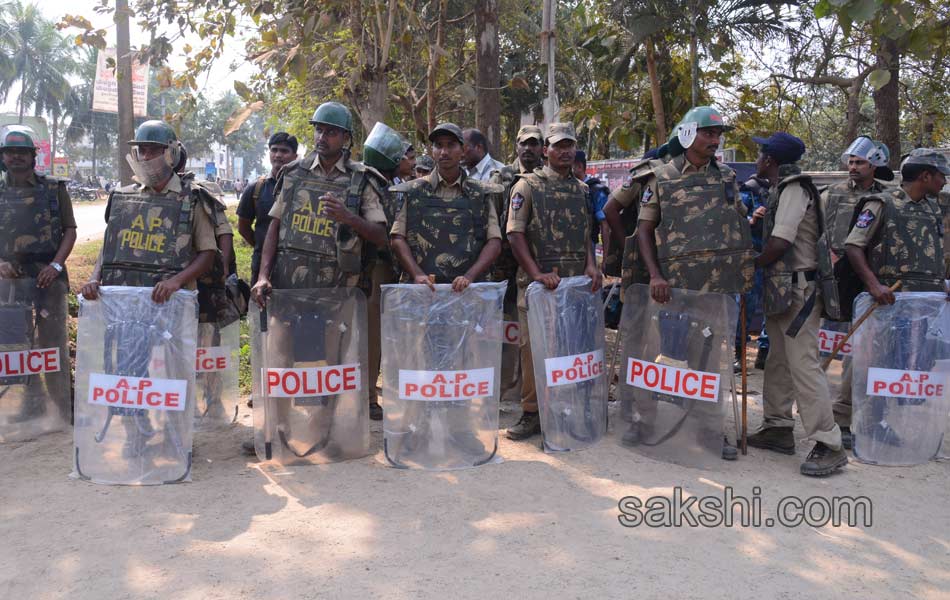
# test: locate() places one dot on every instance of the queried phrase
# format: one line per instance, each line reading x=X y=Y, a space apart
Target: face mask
x=149 y=173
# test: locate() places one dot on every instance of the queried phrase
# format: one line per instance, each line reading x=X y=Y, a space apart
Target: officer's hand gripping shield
x=901 y=384
x=308 y=359
x=34 y=359
x=441 y=362
x=566 y=326
x=216 y=375
x=135 y=387
x=675 y=376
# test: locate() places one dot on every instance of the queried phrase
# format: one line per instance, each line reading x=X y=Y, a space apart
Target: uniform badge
x=516 y=201
x=647 y=194
x=864 y=219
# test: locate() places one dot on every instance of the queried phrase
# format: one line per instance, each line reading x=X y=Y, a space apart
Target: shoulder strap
x=256 y=191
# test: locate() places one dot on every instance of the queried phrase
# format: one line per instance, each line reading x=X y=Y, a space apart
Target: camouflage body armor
x=908 y=246
x=839 y=208
x=446 y=236
x=30 y=216
x=703 y=241
x=313 y=250
x=505 y=267
x=213 y=303
x=779 y=275
x=627 y=259
x=943 y=199
x=148 y=236
x=558 y=233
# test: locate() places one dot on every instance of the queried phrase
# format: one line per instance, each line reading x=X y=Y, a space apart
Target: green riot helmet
x=154 y=132
x=16 y=137
x=383 y=148
x=333 y=113
x=697 y=118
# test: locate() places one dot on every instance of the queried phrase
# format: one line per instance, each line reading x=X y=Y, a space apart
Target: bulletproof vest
x=840 y=200
x=148 y=235
x=558 y=233
x=794 y=176
x=445 y=236
x=505 y=267
x=313 y=250
x=943 y=199
x=908 y=245
x=213 y=303
x=623 y=261
x=703 y=241
x=30 y=217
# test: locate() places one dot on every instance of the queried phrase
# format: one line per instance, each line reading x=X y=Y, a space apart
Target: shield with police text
x=901 y=383
x=216 y=375
x=676 y=374
x=135 y=387
x=441 y=365
x=34 y=359
x=831 y=334
x=566 y=328
x=308 y=360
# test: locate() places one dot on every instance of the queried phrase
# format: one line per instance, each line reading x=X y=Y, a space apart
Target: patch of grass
x=80 y=263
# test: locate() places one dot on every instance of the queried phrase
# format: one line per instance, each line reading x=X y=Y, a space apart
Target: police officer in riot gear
x=40 y=231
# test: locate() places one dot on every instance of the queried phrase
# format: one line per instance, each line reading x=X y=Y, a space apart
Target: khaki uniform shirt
x=371 y=207
x=66 y=217
x=446 y=191
x=864 y=229
x=650 y=204
x=519 y=217
x=796 y=222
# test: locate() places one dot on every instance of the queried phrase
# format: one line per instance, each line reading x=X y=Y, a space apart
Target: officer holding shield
x=549 y=228
x=40 y=233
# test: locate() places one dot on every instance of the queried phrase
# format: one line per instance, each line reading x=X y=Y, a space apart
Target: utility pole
x=123 y=59
x=548 y=45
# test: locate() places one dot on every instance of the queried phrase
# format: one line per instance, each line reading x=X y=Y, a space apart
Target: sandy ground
x=534 y=526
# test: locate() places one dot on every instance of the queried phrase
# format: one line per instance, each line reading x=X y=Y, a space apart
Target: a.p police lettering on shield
x=446 y=385
x=29 y=362
x=311 y=381
x=212 y=358
x=565 y=370
x=896 y=383
x=137 y=392
x=664 y=379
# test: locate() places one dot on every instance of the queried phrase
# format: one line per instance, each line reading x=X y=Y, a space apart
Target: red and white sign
x=311 y=381
x=29 y=362
x=896 y=383
x=512 y=332
x=827 y=339
x=137 y=392
x=213 y=358
x=446 y=385
x=565 y=370
x=664 y=379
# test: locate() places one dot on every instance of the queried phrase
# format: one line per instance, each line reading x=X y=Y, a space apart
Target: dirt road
x=534 y=526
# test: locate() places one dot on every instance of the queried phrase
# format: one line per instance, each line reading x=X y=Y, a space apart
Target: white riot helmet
x=867 y=149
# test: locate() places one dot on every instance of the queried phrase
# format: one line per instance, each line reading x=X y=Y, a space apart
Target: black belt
x=809 y=305
x=797 y=276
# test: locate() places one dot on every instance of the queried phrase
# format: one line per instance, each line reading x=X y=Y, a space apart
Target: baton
x=745 y=377
x=844 y=340
x=264 y=395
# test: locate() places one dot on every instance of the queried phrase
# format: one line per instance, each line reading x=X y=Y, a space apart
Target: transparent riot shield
x=901 y=385
x=566 y=327
x=830 y=333
x=34 y=359
x=676 y=374
x=441 y=365
x=216 y=375
x=308 y=360
x=135 y=387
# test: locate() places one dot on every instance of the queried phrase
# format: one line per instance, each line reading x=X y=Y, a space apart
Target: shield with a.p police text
x=34 y=359
x=441 y=360
x=135 y=387
x=566 y=327
x=308 y=357
x=901 y=384
x=216 y=375
x=676 y=374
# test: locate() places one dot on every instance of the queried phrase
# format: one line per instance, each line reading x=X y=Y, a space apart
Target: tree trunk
x=887 y=100
x=693 y=64
x=852 y=112
x=487 y=74
x=435 y=62
x=656 y=93
x=53 y=139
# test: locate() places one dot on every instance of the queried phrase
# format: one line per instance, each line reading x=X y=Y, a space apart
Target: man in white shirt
x=475 y=158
